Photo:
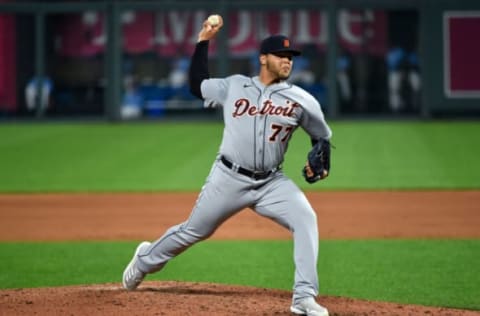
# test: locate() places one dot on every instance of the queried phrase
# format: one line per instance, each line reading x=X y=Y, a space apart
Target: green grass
x=178 y=156
x=427 y=272
x=96 y=157
x=103 y=157
x=406 y=155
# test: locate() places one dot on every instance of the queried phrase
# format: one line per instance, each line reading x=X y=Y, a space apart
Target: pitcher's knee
x=308 y=215
x=194 y=235
x=305 y=219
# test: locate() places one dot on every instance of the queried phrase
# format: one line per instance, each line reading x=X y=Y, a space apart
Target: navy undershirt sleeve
x=198 y=70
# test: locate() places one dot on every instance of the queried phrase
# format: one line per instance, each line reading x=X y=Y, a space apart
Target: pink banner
x=462 y=54
x=81 y=34
x=175 y=33
x=8 y=72
x=137 y=32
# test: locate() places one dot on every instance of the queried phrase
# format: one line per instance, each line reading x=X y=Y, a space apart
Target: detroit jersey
x=259 y=120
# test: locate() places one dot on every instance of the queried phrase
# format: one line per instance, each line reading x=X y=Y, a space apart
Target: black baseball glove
x=318 y=162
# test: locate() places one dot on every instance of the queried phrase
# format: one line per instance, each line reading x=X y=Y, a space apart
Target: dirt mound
x=145 y=216
x=184 y=298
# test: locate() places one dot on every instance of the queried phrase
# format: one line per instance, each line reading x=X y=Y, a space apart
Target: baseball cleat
x=132 y=277
x=308 y=307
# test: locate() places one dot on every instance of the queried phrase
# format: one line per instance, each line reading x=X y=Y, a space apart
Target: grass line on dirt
x=427 y=272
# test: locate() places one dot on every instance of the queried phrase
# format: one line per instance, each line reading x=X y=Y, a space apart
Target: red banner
x=8 y=72
x=461 y=54
x=81 y=34
x=174 y=33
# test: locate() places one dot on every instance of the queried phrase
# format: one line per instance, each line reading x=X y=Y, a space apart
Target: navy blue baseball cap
x=277 y=44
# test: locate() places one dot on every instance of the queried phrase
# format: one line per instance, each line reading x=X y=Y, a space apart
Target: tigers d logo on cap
x=277 y=44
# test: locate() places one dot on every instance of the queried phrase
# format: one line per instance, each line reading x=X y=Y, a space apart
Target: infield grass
x=426 y=272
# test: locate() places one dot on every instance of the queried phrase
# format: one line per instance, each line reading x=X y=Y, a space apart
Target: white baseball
x=214 y=20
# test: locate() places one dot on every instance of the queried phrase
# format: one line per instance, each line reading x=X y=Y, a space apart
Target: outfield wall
x=127 y=59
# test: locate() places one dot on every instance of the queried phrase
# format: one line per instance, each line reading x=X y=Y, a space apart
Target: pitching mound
x=183 y=298
x=144 y=216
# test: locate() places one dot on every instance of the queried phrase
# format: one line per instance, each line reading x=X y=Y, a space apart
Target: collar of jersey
x=275 y=86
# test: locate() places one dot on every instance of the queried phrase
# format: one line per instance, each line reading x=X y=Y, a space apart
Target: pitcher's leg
x=172 y=243
x=220 y=198
x=287 y=205
x=305 y=239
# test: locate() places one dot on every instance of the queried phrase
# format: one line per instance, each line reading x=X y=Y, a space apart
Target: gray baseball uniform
x=259 y=122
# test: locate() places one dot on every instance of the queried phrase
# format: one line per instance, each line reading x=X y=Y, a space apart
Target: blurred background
x=128 y=60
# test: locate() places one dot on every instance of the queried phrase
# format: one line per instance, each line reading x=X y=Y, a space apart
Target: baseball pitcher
x=260 y=115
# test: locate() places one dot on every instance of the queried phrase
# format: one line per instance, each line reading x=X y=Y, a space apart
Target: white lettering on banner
x=245 y=20
x=179 y=23
x=92 y=18
x=198 y=18
x=128 y=17
x=159 y=36
x=173 y=32
x=347 y=22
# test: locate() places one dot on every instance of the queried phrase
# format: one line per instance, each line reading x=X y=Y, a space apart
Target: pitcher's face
x=279 y=65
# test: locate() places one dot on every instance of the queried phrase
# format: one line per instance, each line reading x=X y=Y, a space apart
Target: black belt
x=257 y=175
